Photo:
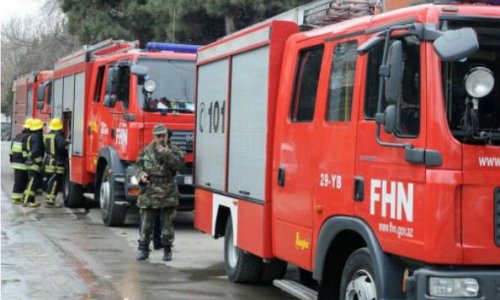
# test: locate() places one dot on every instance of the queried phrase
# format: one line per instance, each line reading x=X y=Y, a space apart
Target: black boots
x=143 y=251
x=167 y=253
x=157 y=244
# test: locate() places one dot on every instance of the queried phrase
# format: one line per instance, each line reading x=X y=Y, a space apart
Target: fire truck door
x=296 y=142
x=390 y=191
x=96 y=130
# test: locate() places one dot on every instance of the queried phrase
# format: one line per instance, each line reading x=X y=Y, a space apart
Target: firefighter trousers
x=55 y=175
x=20 y=182
x=35 y=183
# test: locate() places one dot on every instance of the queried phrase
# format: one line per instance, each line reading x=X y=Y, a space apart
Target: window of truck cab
x=409 y=104
x=174 y=85
x=341 y=84
x=484 y=126
x=306 y=84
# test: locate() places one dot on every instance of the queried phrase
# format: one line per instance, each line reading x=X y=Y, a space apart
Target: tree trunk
x=230 y=22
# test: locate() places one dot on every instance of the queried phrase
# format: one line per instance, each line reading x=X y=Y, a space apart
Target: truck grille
x=183 y=140
x=497 y=216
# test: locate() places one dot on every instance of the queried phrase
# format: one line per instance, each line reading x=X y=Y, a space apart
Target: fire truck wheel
x=240 y=266
x=72 y=192
x=358 y=277
x=112 y=214
x=275 y=269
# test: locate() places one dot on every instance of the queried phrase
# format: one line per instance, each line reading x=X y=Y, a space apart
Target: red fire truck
x=366 y=152
x=109 y=96
x=32 y=93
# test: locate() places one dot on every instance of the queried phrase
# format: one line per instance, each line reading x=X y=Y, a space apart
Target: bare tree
x=32 y=44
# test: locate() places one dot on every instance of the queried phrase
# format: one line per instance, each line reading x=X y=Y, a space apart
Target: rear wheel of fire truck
x=358 y=277
x=275 y=269
x=112 y=214
x=240 y=266
x=72 y=192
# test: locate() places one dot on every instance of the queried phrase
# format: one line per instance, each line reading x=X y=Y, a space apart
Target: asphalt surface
x=69 y=254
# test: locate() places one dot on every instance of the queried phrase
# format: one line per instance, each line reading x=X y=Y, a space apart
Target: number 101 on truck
x=365 y=152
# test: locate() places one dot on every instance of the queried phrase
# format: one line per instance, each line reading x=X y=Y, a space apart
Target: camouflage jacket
x=161 y=191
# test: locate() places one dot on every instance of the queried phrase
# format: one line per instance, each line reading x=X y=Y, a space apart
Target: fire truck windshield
x=174 y=86
x=471 y=118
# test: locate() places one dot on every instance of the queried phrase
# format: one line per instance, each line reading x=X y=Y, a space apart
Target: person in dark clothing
x=36 y=150
x=18 y=161
x=55 y=147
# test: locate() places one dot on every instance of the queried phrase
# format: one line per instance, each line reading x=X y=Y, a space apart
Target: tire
x=112 y=215
x=275 y=269
x=72 y=192
x=240 y=266
x=358 y=277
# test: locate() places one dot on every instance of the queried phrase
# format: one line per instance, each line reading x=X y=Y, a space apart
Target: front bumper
x=488 y=278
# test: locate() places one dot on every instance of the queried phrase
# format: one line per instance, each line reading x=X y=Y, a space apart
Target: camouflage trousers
x=148 y=217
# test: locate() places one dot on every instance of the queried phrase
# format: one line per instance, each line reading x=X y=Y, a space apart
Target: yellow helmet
x=27 y=123
x=37 y=124
x=55 y=124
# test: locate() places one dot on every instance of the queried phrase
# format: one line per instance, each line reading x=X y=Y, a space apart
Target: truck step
x=296 y=289
x=89 y=196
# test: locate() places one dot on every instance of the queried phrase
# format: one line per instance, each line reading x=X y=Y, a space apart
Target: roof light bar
x=156 y=46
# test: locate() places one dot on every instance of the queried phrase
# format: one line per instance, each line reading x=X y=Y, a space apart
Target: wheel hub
x=361 y=287
x=104 y=195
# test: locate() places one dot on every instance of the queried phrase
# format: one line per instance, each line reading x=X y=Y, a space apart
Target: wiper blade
x=490 y=136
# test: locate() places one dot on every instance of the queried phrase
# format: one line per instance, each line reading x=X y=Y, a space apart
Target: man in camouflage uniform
x=155 y=169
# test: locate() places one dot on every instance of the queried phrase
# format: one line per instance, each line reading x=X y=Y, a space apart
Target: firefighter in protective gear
x=55 y=148
x=34 y=160
x=18 y=161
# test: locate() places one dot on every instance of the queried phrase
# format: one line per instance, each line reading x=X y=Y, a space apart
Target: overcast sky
x=11 y=8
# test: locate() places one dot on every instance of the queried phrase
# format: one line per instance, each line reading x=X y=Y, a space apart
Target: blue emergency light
x=156 y=46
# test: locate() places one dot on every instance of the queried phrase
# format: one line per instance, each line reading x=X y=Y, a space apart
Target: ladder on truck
x=86 y=54
x=324 y=12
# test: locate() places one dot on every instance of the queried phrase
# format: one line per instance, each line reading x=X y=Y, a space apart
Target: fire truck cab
x=366 y=152
x=110 y=96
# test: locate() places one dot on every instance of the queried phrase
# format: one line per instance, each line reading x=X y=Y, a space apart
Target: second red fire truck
x=109 y=96
x=367 y=152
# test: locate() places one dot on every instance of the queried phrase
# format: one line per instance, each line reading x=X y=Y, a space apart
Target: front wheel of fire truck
x=240 y=266
x=358 y=277
x=72 y=192
x=111 y=213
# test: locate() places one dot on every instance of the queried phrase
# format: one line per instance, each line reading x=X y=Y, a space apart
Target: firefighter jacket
x=161 y=191
x=36 y=150
x=17 y=151
x=55 y=146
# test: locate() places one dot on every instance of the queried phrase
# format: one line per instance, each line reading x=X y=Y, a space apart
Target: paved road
x=68 y=254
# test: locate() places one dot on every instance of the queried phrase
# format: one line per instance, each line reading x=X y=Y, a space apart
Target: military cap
x=160 y=129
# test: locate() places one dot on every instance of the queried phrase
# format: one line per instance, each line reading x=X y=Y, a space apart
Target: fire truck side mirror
x=387 y=119
x=40 y=93
x=393 y=82
x=455 y=45
x=139 y=71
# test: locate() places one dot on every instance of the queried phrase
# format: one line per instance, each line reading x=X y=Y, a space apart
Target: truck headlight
x=453 y=287
x=133 y=180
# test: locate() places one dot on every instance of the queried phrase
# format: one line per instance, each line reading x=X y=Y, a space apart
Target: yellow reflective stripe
x=53 y=191
x=17 y=147
x=50 y=169
x=16 y=196
x=38 y=159
x=28 y=142
x=49 y=141
x=19 y=166
x=35 y=168
x=60 y=170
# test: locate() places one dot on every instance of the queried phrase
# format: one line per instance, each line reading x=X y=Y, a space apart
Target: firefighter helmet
x=27 y=123
x=55 y=124
x=160 y=129
x=37 y=124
